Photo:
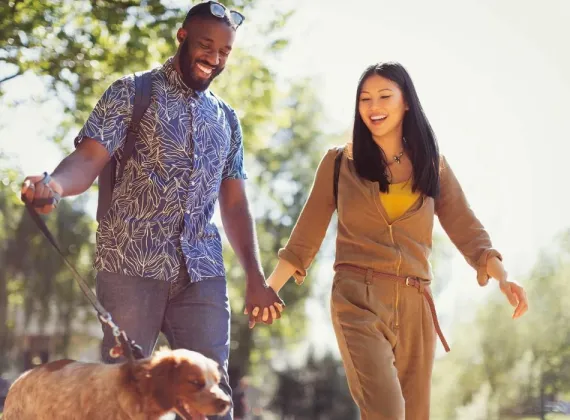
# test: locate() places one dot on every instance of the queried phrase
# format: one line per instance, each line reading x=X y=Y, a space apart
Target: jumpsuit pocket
x=370 y=304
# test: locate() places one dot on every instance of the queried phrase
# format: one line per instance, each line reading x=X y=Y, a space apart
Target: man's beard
x=188 y=70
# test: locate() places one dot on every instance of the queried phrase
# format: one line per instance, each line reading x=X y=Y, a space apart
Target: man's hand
x=41 y=188
x=516 y=296
x=240 y=230
x=262 y=303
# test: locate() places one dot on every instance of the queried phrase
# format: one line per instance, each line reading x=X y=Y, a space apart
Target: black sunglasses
x=220 y=11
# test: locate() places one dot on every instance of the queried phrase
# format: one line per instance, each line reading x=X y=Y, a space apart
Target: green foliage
x=317 y=390
x=249 y=87
x=34 y=280
x=519 y=364
x=8 y=224
x=80 y=47
x=282 y=175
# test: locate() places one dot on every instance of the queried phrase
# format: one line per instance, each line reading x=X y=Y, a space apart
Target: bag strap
x=337 y=162
x=143 y=88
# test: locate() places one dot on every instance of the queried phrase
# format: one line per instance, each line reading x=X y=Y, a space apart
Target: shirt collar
x=175 y=78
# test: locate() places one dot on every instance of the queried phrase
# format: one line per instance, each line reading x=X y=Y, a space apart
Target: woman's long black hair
x=420 y=145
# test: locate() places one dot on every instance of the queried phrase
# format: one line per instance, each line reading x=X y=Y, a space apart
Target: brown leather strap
x=435 y=320
x=407 y=281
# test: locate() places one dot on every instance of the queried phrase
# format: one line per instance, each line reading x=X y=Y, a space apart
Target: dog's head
x=183 y=381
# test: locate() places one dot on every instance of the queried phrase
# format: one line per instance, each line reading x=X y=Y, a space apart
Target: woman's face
x=382 y=106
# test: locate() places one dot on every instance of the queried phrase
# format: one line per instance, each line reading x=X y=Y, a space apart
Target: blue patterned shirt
x=162 y=207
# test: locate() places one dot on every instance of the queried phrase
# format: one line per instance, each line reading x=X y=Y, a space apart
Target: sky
x=492 y=77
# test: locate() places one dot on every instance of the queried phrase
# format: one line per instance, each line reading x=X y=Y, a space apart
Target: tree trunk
x=542 y=396
x=239 y=357
x=66 y=319
x=4 y=331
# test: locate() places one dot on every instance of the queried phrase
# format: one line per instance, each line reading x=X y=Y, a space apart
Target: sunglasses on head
x=220 y=11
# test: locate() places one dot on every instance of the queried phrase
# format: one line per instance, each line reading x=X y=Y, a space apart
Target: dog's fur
x=180 y=381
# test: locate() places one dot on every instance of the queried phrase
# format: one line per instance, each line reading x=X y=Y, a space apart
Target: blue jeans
x=195 y=317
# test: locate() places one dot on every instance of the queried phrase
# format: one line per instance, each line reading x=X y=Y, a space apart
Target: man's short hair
x=203 y=10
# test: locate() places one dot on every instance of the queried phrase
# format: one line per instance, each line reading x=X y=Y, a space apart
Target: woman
x=392 y=181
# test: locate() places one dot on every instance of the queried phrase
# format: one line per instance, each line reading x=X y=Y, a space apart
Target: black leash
x=124 y=346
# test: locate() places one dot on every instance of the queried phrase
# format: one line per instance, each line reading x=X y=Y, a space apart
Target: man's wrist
x=59 y=188
x=255 y=278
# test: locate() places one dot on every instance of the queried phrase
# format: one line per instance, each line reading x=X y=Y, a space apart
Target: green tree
x=507 y=369
x=33 y=278
x=9 y=210
x=548 y=334
x=282 y=175
x=317 y=390
x=80 y=47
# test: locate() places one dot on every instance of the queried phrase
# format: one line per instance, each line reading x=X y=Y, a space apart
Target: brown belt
x=408 y=281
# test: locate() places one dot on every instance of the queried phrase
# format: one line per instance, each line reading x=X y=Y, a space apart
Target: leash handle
x=49 y=201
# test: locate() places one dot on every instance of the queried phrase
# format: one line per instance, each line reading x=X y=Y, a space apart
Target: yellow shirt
x=364 y=240
x=398 y=199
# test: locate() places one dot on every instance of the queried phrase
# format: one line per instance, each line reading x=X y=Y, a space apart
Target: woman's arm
x=282 y=272
x=470 y=237
x=462 y=226
x=309 y=231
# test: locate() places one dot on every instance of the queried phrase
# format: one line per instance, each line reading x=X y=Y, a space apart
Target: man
x=159 y=257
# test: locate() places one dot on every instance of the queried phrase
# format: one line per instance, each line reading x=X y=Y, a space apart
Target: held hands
x=262 y=303
x=43 y=191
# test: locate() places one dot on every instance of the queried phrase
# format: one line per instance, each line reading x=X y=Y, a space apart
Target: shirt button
x=195 y=155
x=193 y=182
x=187 y=211
x=181 y=237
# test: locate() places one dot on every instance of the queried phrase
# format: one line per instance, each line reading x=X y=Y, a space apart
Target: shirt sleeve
x=461 y=225
x=110 y=119
x=309 y=231
x=234 y=167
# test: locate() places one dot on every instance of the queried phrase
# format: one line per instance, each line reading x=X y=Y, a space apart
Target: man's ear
x=181 y=35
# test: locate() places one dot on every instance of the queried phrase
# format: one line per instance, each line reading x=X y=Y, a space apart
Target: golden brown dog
x=180 y=381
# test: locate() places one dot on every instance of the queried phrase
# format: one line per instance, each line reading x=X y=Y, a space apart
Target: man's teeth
x=204 y=69
x=378 y=117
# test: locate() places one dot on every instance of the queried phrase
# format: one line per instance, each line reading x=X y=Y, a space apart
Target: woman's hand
x=514 y=292
x=516 y=296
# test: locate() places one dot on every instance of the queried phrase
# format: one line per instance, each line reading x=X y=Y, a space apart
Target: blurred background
x=493 y=77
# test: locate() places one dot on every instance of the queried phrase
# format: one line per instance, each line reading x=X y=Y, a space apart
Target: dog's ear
x=163 y=379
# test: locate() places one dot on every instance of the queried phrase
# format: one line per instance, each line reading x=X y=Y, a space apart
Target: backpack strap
x=337 y=162
x=143 y=87
x=108 y=175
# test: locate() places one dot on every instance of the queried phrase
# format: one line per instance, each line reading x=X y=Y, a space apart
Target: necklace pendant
x=397 y=159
